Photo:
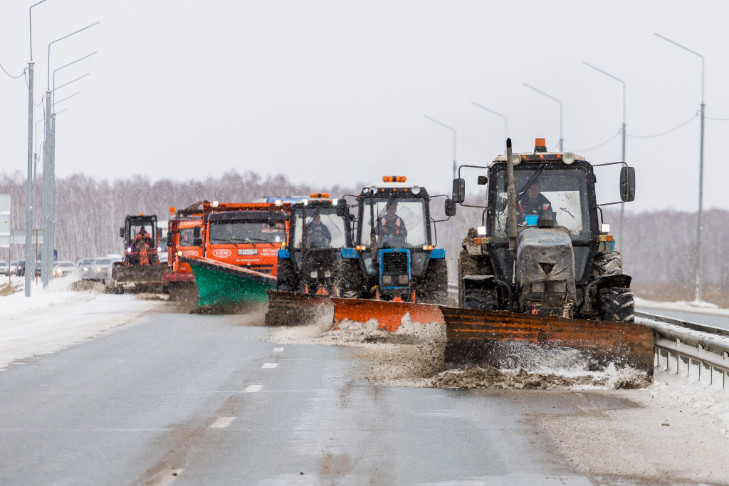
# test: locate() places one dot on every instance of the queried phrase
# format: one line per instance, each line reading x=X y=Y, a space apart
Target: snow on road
x=57 y=317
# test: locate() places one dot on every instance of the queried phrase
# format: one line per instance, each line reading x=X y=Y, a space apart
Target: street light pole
x=701 y=170
x=49 y=169
x=30 y=202
x=561 y=146
x=622 y=204
x=506 y=120
x=454 y=140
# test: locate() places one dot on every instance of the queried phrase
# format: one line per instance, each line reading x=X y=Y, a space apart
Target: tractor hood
x=545 y=254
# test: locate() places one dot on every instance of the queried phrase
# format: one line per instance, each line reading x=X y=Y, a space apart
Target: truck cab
x=247 y=235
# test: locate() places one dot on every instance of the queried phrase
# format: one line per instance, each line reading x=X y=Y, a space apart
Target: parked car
x=4 y=268
x=13 y=268
x=61 y=269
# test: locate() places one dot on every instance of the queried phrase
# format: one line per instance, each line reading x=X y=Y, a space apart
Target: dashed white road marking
x=222 y=423
x=277 y=350
x=253 y=388
x=270 y=365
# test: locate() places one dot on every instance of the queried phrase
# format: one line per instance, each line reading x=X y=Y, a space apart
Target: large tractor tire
x=616 y=304
x=470 y=265
x=286 y=278
x=480 y=299
x=607 y=264
x=433 y=289
x=351 y=282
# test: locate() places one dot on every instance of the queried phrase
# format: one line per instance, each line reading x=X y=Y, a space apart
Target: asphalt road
x=199 y=399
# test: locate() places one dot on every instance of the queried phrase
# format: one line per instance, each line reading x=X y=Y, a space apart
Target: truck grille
x=395 y=262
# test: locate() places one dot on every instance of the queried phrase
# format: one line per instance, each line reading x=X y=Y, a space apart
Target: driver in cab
x=391 y=227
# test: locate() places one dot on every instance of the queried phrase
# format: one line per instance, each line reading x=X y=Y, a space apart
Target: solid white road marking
x=222 y=423
x=270 y=365
x=253 y=388
x=277 y=350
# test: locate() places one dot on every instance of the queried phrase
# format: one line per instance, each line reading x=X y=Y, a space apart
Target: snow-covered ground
x=57 y=317
x=696 y=307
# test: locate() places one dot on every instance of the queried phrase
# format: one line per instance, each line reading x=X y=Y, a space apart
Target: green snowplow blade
x=223 y=284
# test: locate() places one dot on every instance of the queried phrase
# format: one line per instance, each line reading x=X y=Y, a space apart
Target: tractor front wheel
x=617 y=304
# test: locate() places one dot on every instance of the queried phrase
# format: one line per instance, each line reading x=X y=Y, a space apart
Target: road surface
x=189 y=399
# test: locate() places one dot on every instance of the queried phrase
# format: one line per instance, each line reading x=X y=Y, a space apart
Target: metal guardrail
x=683 y=344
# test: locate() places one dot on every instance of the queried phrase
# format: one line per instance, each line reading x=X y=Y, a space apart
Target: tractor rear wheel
x=433 y=289
x=286 y=278
x=616 y=304
x=351 y=283
x=480 y=299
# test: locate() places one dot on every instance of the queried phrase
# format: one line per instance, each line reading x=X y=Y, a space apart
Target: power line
x=10 y=75
x=600 y=144
x=666 y=132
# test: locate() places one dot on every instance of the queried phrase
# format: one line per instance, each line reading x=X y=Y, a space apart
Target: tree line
x=659 y=250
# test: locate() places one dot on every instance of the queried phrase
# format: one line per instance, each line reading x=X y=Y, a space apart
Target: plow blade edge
x=296 y=309
x=388 y=314
x=509 y=340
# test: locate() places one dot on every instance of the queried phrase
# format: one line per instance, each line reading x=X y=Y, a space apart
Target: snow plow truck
x=140 y=269
x=539 y=277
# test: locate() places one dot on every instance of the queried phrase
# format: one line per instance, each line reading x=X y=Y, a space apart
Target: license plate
x=251 y=251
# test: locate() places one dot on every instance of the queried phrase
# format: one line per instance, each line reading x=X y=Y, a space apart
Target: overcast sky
x=336 y=91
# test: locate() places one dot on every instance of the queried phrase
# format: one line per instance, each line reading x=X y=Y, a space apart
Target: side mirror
x=271 y=219
x=450 y=208
x=196 y=232
x=121 y=232
x=459 y=190
x=627 y=184
x=483 y=180
x=341 y=208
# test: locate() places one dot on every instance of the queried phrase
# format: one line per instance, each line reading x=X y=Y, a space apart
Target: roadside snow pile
x=494 y=378
x=55 y=318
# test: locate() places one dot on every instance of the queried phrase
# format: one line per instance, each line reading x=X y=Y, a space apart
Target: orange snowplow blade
x=509 y=340
x=296 y=309
x=388 y=314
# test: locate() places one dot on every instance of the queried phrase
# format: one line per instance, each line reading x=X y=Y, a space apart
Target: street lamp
x=701 y=168
x=30 y=204
x=622 y=204
x=560 y=112
x=454 y=140
x=506 y=120
x=49 y=173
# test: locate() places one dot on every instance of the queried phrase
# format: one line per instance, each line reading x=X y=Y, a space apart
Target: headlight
x=538 y=287
x=515 y=159
x=403 y=279
x=314 y=274
x=568 y=158
x=386 y=279
x=327 y=274
x=415 y=190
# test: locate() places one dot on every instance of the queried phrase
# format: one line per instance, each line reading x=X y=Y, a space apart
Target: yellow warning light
x=540 y=142
x=360 y=248
x=427 y=247
x=394 y=178
x=141 y=214
x=173 y=210
x=319 y=195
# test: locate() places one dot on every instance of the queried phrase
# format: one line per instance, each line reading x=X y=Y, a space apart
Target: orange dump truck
x=182 y=242
x=240 y=243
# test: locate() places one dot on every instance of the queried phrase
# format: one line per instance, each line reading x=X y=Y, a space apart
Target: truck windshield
x=249 y=231
x=324 y=228
x=564 y=190
x=400 y=226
